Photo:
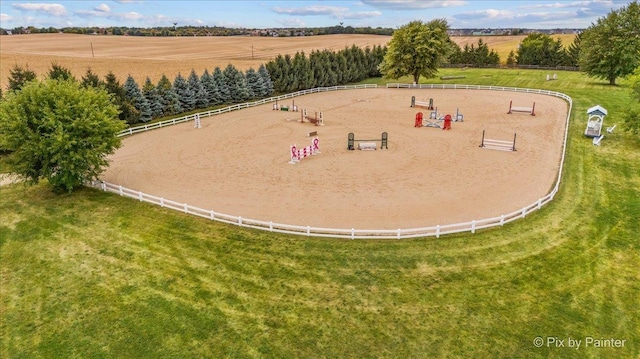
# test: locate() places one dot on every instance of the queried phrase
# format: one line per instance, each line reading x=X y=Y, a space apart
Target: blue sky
x=318 y=13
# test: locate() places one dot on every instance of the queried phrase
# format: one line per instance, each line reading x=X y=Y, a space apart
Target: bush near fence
x=351 y=233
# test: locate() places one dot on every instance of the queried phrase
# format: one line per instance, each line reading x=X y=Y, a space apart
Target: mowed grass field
x=92 y=275
x=143 y=56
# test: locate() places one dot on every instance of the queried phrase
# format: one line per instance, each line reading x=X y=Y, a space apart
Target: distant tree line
x=534 y=50
x=199 y=31
x=150 y=101
x=324 y=68
x=479 y=56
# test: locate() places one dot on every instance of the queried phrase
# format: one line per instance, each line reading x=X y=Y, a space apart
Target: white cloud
x=124 y=16
x=292 y=23
x=50 y=9
x=485 y=14
x=102 y=8
x=128 y=16
x=5 y=17
x=332 y=11
x=413 y=4
x=311 y=10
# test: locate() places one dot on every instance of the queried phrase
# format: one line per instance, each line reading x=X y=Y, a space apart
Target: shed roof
x=597 y=109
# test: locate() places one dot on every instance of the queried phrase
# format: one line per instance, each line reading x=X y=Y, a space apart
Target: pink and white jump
x=298 y=154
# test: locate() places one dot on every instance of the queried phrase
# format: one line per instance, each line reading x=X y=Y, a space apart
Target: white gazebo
x=594 y=123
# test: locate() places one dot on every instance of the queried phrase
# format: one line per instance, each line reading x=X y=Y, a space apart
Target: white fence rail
x=192 y=117
x=351 y=233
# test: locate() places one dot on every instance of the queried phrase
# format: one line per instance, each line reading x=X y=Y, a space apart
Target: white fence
x=192 y=117
x=351 y=233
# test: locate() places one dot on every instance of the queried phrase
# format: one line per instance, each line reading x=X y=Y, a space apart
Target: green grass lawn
x=94 y=275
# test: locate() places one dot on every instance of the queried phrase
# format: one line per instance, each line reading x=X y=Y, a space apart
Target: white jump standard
x=530 y=110
x=196 y=121
x=500 y=145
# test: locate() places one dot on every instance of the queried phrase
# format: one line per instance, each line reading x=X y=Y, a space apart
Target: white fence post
x=438 y=231
x=473 y=226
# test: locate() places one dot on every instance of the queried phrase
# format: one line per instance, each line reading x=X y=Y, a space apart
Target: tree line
x=165 y=98
x=199 y=31
x=324 y=68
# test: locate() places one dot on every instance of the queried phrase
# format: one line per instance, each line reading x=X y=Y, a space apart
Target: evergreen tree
x=511 y=59
x=237 y=84
x=199 y=92
x=19 y=76
x=573 y=52
x=302 y=74
x=128 y=112
x=58 y=72
x=540 y=49
x=224 y=93
x=150 y=93
x=320 y=68
x=213 y=97
x=168 y=97
x=91 y=80
x=255 y=84
x=134 y=95
x=185 y=93
x=267 y=84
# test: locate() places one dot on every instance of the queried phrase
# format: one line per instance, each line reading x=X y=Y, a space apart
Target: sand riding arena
x=237 y=163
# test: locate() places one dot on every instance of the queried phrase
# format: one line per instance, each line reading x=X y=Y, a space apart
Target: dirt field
x=153 y=56
x=238 y=162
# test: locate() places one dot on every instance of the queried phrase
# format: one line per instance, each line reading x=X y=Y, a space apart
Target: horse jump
x=446 y=119
x=317 y=119
x=285 y=108
x=428 y=106
x=529 y=110
x=298 y=154
x=500 y=145
x=367 y=144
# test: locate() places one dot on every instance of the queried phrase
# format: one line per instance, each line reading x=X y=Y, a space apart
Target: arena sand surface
x=238 y=162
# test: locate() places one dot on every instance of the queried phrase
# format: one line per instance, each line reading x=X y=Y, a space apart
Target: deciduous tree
x=60 y=131
x=417 y=49
x=610 y=48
